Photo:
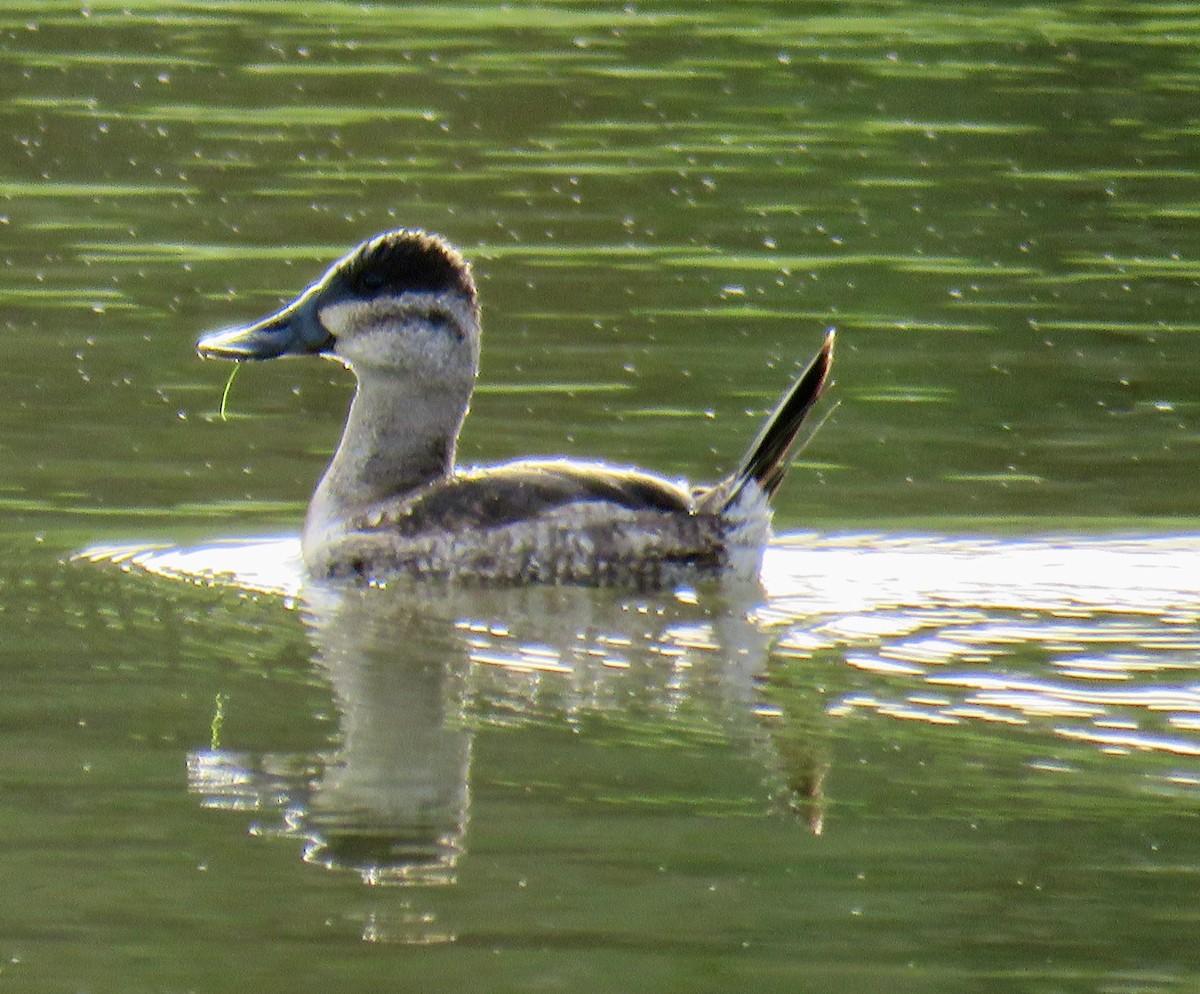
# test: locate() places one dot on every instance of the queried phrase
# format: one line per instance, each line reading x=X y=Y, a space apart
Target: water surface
x=953 y=742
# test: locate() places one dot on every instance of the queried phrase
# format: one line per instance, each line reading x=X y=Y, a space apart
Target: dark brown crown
x=404 y=261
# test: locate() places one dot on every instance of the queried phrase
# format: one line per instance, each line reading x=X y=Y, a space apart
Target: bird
x=401 y=311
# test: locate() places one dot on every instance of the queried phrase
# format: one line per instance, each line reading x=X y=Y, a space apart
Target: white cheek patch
x=437 y=310
x=351 y=317
x=417 y=331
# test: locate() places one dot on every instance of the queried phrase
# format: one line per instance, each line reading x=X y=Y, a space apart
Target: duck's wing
x=484 y=499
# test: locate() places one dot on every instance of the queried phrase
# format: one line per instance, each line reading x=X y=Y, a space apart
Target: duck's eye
x=370 y=281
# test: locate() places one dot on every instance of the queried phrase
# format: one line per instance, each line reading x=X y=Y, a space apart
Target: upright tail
x=765 y=461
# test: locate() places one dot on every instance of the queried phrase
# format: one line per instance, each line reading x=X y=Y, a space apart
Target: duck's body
x=401 y=312
x=540 y=521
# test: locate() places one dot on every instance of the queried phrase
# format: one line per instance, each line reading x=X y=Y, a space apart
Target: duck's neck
x=399 y=436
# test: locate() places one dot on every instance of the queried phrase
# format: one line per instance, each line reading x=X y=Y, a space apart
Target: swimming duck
x=402 y=313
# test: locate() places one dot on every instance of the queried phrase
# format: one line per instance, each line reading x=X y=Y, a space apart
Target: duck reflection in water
x=417 y=668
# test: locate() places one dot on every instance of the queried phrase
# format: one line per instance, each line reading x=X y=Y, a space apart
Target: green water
x=996 y=204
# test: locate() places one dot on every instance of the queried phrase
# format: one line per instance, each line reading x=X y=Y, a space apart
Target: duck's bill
x=291 y=331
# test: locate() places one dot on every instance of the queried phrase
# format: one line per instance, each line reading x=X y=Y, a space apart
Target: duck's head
x=403 y=302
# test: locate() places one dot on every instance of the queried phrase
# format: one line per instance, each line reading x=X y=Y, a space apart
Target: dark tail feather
x=766 y=460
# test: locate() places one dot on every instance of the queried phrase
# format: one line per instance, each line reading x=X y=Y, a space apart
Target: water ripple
x=1089 y=639
x=1100 y=633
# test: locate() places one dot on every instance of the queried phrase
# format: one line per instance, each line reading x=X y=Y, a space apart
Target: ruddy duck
x=401 y=312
